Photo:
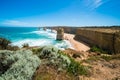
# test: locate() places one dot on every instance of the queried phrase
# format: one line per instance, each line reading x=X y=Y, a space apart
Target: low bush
x=6 y=60
x=23 y=67
x=97 y=49
x=76 y=68
x=61 y=60
x=25 y=45
x=4 y=43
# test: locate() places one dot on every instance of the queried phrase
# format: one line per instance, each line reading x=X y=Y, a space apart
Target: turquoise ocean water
x=32 y=36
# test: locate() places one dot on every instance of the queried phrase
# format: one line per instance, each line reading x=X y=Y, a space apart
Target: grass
x=91 y=59
x=111 y=57
x=37 y=50
x=97 y=49
x=76 y=68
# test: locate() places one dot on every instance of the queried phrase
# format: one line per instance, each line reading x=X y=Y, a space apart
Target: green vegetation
x=37 y=50
x=91 y=59
x=25 y=45
x=110 y=57
x=18 y=65
x=97 y=49
x=4 y=43
x=61 y=60
x=76 y=68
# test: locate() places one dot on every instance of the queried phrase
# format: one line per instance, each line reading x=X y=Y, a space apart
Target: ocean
x=34 y=37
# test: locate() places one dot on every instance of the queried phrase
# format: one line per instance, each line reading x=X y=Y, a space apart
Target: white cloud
x=15 y=23
x=97 y=3
x=93 y=4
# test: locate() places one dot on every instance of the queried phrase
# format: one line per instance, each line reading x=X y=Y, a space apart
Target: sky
x=30 y=13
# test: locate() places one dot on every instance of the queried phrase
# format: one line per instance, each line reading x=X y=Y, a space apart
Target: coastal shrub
x=25 y=45
x=6 y=60
x=23 y=67
x=61 y=61
x=110 y=57
x=37 y=50
x=4 y=43
x=97 y=49
x=53 y=56
x=76 y=68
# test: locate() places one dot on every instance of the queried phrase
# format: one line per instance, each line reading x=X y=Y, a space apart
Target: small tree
x=4 y=43
x=25 y=45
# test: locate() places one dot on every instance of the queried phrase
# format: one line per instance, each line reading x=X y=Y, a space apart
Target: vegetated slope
x=49 y=63
x=102 y=66
x=55 y=65
x=22 y=64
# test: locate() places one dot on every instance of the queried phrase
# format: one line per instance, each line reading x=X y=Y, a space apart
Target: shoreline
x=78 y=46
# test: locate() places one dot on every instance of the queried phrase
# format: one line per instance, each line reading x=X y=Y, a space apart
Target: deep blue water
x=32 y=36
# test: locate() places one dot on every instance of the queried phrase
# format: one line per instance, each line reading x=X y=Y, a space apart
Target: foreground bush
x=6 y=60
x=60 y=60
x=52 y=56
x=4 y=43
x=76 y=68
x=22 y=65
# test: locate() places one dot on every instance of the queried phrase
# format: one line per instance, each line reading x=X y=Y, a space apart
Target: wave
x=31 y=42
x=47 y=33
x=43 y=42
x=63 y=45
x=40 y=38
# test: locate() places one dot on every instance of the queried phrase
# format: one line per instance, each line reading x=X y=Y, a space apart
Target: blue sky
x=59 y=12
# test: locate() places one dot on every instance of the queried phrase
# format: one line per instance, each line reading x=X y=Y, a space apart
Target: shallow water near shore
x=32 y=36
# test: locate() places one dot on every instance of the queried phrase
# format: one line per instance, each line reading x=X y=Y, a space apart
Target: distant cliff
x=107 y=39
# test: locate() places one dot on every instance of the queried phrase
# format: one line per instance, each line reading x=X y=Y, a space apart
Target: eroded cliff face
x=117 y=42
x=107 y=40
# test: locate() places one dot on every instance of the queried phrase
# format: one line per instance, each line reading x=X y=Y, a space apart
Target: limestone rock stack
x=60 y=34
x=44 y=28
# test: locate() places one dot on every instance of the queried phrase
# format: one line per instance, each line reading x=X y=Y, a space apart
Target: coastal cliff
x=106 y=39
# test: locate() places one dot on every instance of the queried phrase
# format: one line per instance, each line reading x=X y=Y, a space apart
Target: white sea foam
x=43 y=41
x=47 y=33
x=64 y=45
x=32 y=42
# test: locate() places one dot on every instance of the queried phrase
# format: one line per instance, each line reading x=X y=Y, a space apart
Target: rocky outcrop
x=60 y=34
x=44 y=28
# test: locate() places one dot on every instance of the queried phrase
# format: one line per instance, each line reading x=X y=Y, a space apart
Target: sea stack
x=44 y=29
x=60 y=34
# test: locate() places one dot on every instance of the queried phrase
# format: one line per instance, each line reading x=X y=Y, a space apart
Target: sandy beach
x=78 y=46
